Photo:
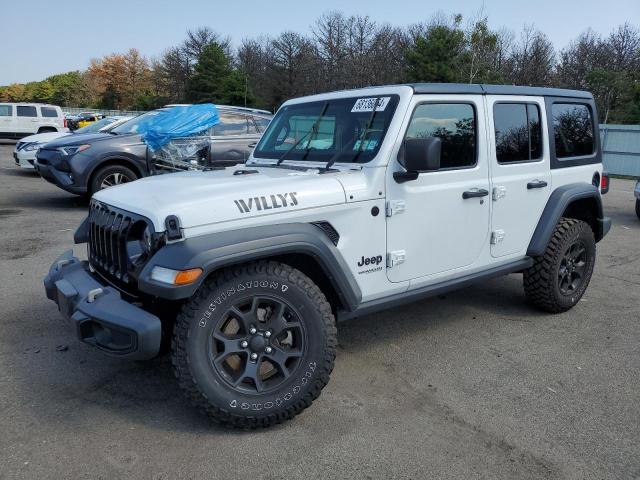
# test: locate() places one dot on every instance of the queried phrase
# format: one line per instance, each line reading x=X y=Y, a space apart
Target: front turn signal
x=186 y=277
x=175 y=277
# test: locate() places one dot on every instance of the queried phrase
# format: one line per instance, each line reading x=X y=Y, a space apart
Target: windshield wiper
x=362 y=138
x=314 y=129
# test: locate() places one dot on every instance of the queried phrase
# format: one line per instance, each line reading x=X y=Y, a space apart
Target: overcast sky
x=43 y=37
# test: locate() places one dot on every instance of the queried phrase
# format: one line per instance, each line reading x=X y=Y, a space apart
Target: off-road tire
x=541 y=281
x=638 y=208
x=202 y=382
x=99 y=177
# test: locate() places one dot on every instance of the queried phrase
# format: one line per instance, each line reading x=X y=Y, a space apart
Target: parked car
x=17 y=120
x=25 y=151
x=416 y=190
x=83 y=119
x=88 y=164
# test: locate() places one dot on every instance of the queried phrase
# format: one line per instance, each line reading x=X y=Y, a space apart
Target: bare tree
x=199 y=38
x=532 y=60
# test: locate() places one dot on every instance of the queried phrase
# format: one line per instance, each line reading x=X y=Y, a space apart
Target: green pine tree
x=436 y=57
x=211 y=76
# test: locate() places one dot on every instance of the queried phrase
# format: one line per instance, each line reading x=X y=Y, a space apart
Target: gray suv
x=84 y=164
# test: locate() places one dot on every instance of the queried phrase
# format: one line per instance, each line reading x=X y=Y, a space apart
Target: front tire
x=110 y=176
x=638 y=208
x=560 y=276
x=255 y=345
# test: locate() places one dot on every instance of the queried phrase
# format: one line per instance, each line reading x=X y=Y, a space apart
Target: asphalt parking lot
x=475 y=384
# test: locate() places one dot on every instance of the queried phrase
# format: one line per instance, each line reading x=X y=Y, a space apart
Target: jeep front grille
x=111 y=232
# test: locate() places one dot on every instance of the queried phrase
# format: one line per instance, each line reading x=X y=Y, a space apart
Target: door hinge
x=497 y=236
x=394 y=207
x=395 y=258
x=499 y=192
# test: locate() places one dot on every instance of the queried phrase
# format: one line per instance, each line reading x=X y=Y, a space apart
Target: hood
x=44 y=137
x=80 y=138
x=201 y=198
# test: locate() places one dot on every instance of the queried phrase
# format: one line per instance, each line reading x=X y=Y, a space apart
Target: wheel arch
x=581 y=201
x=121 y=161
x=301 y=245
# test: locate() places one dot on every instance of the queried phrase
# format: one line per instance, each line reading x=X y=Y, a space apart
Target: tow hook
x=91 y=296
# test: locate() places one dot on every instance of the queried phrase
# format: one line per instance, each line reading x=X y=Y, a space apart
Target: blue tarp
x=177 y=122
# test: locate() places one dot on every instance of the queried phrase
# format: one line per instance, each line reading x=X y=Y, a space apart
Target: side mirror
x=420 y=155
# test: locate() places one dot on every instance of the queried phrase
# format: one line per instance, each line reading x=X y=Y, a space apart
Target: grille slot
x=109 y=231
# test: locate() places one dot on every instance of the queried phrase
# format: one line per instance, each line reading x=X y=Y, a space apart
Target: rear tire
x=111 y=175
x=267 y=311
x=559 y=277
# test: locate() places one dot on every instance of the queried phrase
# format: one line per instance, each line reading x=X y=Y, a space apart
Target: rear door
x=520 y=171
x=27 y=121
x=231 y=139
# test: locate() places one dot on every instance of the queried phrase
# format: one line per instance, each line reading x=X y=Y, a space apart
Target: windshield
x=95 y=126
x=334 y=129
x=133 y=125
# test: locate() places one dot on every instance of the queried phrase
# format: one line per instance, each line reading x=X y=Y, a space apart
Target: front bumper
x=102 y=318
x=24 y=159
x=59 y=178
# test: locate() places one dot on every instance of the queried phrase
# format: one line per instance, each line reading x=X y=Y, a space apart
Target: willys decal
x=267 y=202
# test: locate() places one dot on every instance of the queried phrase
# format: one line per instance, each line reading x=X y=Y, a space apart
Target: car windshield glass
x=132 y=125
x=311 y=132
x=95 y=126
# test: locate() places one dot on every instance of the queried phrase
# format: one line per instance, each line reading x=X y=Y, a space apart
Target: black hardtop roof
x=485 y=89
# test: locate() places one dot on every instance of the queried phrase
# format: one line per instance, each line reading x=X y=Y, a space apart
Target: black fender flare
x=217 y=250
x=557 y=204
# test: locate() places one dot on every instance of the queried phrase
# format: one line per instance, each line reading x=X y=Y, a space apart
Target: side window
x=573 y=129
x=6 y=110
x=231 y=124
x=262 y=123
x=454 y=124
x=26 y=111
x=518 y=132
x=253 y=128
x=49 y=112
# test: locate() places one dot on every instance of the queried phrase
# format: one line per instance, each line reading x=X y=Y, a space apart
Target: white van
x=18 y=120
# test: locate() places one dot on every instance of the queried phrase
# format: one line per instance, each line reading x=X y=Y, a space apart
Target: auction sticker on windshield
x=366 y=104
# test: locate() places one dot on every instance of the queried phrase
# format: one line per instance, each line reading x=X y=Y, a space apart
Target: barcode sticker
x=366 y=104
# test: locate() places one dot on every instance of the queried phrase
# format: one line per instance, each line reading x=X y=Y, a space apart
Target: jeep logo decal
x=278 y=200
x=370 y=261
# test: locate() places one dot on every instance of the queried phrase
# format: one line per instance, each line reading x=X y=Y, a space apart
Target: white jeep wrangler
x=352 y=202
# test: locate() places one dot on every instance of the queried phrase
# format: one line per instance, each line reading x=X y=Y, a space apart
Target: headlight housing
x=30 y=147
x=72 y=150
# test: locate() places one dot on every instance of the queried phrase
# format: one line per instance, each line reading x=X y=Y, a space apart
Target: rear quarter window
x=6 y=110
x=573 y=130
x=49 y=112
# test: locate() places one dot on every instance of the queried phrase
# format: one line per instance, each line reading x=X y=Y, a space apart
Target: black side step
x=433 y=290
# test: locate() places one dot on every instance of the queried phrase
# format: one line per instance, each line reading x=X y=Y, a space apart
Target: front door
x=439 y=222
x=519 y=170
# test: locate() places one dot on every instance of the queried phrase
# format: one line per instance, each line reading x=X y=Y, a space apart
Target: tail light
x=65 y=123
x=604 y=183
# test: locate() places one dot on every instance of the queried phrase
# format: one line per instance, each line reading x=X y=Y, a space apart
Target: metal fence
x=621 y=149
x=74 y=110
